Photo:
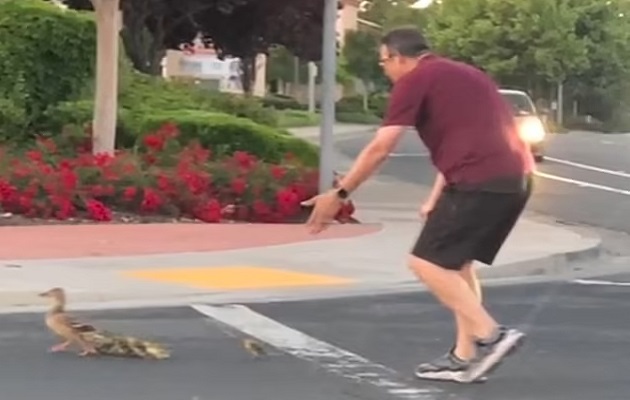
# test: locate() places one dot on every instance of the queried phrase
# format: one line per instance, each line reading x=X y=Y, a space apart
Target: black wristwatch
x=342 y=193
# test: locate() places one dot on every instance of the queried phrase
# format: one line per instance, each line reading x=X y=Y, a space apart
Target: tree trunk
x=366 y=96
x=248 y=68
x=106 y=97
x=143 y=48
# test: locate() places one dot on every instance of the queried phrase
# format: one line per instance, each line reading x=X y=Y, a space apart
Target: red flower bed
x=57 y=181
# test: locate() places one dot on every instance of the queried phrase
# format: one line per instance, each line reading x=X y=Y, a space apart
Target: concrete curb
x=539 y=269
x=552 y=265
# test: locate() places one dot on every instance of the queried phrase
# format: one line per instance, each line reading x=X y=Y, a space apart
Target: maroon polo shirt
x=463 y=121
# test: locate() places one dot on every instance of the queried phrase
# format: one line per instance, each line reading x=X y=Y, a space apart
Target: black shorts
x=470 y=224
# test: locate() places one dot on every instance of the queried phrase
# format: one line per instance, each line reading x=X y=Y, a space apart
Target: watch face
x=342 y=193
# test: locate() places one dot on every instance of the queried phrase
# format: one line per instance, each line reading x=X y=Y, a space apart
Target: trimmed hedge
x=297 y=118
x=147 y=93
x=358 y=118
x=377 y=103
x=282 y=102
x=47 y=62
x=225 y=134
x=13 y=120
x=47 y=55
x=80 y=113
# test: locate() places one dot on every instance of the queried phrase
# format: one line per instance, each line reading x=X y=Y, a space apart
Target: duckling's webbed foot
x=87 y=348
x=88 y=352
x=59 y=347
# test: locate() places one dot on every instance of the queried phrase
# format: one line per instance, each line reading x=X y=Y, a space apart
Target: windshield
x=521 y=104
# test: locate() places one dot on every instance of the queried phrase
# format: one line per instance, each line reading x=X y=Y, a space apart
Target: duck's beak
x=44 y=294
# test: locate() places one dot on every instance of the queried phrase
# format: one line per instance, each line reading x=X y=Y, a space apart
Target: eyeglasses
x=382 y=61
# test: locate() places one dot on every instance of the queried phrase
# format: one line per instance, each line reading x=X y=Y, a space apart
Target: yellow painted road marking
x=235 y=277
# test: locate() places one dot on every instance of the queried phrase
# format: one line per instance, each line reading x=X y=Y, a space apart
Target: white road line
x=595 y=282
x=588 y=167
x=327 y=356
x=582 y=183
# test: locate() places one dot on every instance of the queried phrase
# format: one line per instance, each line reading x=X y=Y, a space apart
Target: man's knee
x=466 y=269
x=420 y=264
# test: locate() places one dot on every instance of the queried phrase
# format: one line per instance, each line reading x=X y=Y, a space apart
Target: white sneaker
x=445 y=368
x=491 y=355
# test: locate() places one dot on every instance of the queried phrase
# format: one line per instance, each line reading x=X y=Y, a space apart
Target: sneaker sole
x=499 y=357
x=454 y=376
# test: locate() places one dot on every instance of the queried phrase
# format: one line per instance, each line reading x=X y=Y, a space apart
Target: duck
x=93 y=341
x=254 y=348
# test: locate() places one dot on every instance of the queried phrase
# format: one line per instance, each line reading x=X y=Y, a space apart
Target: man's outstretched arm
x=372 y=156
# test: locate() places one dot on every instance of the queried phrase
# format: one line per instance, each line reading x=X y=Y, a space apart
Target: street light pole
x=329 y=65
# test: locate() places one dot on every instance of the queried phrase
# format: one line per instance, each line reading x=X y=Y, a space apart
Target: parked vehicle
x=531 y=127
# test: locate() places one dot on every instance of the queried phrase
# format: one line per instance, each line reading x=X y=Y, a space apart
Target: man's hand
x=325 y=208
x=426 y=208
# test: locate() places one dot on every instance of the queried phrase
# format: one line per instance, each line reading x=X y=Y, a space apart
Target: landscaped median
x=162 y=178
x=184 y=152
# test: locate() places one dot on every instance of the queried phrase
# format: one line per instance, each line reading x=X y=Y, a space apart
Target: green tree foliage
x=537 y=44
x=603 y=89
x=281 y=65
x=361 y=54
x=393 y=13
x=152 y=26
x=46 y=56
x=523 y=43
x=239 y=28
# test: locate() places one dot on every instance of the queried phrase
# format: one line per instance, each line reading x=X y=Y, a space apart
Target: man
x=483 y=185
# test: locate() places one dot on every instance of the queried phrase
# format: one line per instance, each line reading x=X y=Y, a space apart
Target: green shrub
x=145 y=93
x=13 y=121
x=358 y=118
x=224 y=134
x=80 y=113
x=245 y=107
x=297 y=118
x=47 y=54
x=350 y=104
x=69 y=112
x=583 y=123
x=282 y=102
x=377 y=104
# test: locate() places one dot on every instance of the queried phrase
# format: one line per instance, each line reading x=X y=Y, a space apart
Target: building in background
x=204 y=67
x=347 y=20
x=202 y=64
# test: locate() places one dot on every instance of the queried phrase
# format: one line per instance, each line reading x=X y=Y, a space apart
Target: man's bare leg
x=452 y=290
x=492 y=341
x=455 y=364
x=465 y=348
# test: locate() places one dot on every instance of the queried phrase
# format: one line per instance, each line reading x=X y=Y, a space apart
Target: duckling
x=255 y=348
x=91 y=340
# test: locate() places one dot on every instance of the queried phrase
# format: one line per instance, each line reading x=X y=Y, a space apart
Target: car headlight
x=532 y=130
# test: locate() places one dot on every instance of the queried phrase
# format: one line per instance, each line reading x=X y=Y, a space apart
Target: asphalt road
x=207 y=364
x=578 y=348
x=585 y=179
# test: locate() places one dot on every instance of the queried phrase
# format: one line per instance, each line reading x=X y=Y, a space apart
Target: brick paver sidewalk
x=71 y=241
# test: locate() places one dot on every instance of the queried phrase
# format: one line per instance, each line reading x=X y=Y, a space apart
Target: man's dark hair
x=406 y=42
